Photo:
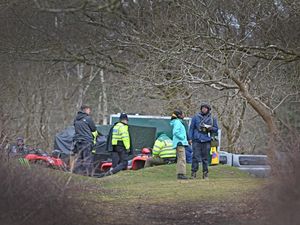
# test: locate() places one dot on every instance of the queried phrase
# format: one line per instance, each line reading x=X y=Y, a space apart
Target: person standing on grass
x=84 y=141
x=203 y=125
x=121 y=145
x=179 y=141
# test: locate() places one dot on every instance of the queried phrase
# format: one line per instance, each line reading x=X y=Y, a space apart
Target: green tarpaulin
x=161 y=123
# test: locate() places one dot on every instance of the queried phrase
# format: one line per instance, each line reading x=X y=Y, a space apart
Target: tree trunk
x=80 y=86
x=260 y=109
x=102 y=101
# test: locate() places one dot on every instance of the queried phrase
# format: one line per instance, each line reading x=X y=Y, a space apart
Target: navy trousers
x=84 y=160
x=120 y=159
x=200 y=155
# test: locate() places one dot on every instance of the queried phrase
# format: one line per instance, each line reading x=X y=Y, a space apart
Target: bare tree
x=102 y=109
x=149 y=57
x=224 y=49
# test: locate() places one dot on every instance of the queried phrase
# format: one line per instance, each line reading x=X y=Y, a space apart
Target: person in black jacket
x=19 y=149
x=83 y=139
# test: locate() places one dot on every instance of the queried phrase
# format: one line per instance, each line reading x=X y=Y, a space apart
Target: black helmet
x=177 y=114
x=123 y=116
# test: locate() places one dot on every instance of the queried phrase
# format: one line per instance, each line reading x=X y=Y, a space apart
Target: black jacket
x=18 y=150
x=84 y=126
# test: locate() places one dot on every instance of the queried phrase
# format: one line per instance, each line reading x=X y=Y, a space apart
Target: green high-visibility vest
x=120 y=134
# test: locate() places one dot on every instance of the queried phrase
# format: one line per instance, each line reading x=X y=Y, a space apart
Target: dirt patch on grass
x=218 y=213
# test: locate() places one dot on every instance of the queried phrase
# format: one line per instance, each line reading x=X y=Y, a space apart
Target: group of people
x=203 y=126
x=165 y=149
x=84 y=140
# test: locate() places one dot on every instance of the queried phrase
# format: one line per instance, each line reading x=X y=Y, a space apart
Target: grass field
x=155 y=196
x=159 y=184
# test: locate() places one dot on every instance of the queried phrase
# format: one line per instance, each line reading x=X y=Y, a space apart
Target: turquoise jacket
x=179 y=133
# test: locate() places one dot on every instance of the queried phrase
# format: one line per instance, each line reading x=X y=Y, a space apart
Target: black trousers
x=119 y=159
x=200 y=154
x=84 y=158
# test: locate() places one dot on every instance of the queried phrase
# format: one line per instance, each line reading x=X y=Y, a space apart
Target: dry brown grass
x=282 y=197
x=36 y=195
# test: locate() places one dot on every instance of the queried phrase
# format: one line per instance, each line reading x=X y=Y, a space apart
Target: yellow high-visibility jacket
x=163 y=148
x=95 y=134
x=120 y=134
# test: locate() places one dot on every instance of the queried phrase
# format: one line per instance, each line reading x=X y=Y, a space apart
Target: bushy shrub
x=33 y=195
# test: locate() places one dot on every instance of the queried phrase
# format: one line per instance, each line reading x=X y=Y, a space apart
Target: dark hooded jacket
x=196 y=133
x=18 y=150
x=84 y=126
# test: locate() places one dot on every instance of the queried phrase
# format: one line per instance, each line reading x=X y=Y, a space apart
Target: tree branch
x=66 y=10
x=283 y=100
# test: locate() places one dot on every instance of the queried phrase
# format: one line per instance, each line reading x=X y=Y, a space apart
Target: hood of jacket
x=205 y=105
x=172 y=122
x=80 y=115
x=163 y=137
